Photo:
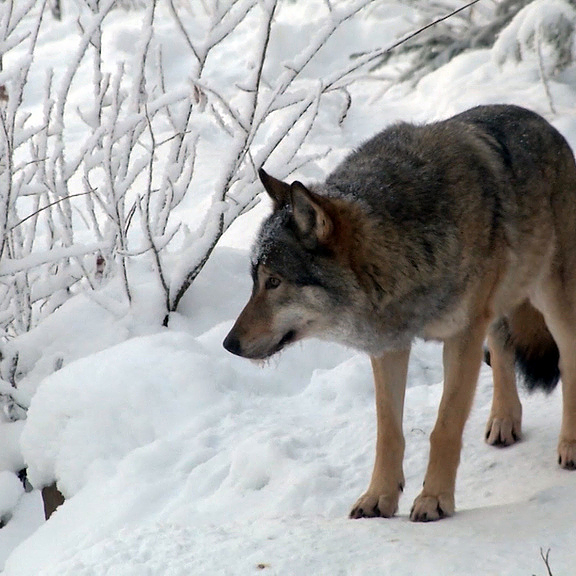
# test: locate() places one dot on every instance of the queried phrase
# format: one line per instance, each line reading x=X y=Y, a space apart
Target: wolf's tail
x=535 y=351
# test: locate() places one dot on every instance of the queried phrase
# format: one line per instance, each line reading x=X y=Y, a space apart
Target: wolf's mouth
x=288 y=338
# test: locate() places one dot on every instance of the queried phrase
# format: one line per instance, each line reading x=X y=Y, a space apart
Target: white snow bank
x=10 y=455
x=87 y=417
x=11 y=490
x=503 y=540
x=181 y=460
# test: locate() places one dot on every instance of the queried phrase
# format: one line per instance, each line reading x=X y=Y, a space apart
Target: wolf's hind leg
x=381 y=498
x=462 y=359
x=558 y=305
x=504 y=425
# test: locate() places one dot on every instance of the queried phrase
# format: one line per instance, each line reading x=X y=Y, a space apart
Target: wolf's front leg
x=381 y=498
x=462 y=360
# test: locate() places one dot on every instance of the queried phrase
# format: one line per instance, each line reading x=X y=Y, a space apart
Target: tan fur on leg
x=558 y=305
x=504 y=426
x=381 y=498
x=462 y=359
x=567 y=441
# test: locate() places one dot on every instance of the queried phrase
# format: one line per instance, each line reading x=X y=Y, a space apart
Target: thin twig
x=146 y=218
x=545 y=558
x=371 y=56
x=180 y=25
x=36 y=212
x=543 y=75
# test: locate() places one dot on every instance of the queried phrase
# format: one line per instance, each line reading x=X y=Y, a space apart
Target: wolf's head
x=297 y=279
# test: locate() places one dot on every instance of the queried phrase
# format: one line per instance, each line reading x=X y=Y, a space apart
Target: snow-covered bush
x=58 y=6
x=515 y=28
x=543 y=31
x=95 y=185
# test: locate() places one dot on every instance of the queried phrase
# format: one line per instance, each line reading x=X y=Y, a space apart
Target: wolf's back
x=525 y=143
x=501 y=171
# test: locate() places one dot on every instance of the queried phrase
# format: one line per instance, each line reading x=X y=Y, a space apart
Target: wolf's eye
x=272 y=283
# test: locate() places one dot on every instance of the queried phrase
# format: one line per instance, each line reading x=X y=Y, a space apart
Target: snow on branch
x=280 y=98
x=91 y=186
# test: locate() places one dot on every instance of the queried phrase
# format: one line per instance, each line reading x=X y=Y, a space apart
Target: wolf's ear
x=277 y=190
x=312 y=221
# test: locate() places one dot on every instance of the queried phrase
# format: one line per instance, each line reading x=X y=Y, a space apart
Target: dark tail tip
x=535 y=352
x=539 y=368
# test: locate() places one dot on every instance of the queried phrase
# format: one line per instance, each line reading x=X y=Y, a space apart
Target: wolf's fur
x=536 y=355
x=459 y=231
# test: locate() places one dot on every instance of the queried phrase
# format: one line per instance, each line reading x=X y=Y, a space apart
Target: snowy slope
x=179 y=459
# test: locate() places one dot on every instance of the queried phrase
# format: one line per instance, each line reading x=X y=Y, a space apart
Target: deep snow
x=179 y=459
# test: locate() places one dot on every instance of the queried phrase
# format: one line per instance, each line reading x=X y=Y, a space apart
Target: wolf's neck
x=366 y=246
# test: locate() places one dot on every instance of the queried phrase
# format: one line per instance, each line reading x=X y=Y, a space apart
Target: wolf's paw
x=503 y=431
x=428 y=508
x=372 y=505
x=567 y=454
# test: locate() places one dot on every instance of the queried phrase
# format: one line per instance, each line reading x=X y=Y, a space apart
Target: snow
x=177 y=458
x=173 y=457
x=542 y=22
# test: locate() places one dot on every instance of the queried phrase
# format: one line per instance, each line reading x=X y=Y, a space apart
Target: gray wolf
x=462 y=231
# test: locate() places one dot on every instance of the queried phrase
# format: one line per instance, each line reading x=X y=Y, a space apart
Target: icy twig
x=343 y=78
x=543 y=75
x=545 y=558
x=146 y=217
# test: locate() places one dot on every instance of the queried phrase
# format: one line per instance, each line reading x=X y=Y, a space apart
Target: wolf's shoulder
x=399 y=172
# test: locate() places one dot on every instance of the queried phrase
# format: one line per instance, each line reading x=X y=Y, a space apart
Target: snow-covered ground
x=178 y=459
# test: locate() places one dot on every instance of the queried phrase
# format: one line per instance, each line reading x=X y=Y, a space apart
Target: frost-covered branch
x=463 y=29
x=282 y=100
x=146 y=166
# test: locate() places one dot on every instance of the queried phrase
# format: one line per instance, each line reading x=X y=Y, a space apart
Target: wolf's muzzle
x=232 y=344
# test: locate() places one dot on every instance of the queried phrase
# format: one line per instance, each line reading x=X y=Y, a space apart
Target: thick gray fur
x=484 y=169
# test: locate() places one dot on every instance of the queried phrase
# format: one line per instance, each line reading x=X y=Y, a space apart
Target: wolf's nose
x=232 y=344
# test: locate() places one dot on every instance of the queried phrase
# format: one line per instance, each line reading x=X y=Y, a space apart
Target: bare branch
x=47 y=207
x=545 y=558
x=185 y=35
x=146 y=216
x=366 y=59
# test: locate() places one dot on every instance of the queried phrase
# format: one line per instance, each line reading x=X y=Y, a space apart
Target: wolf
x=461 y=231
